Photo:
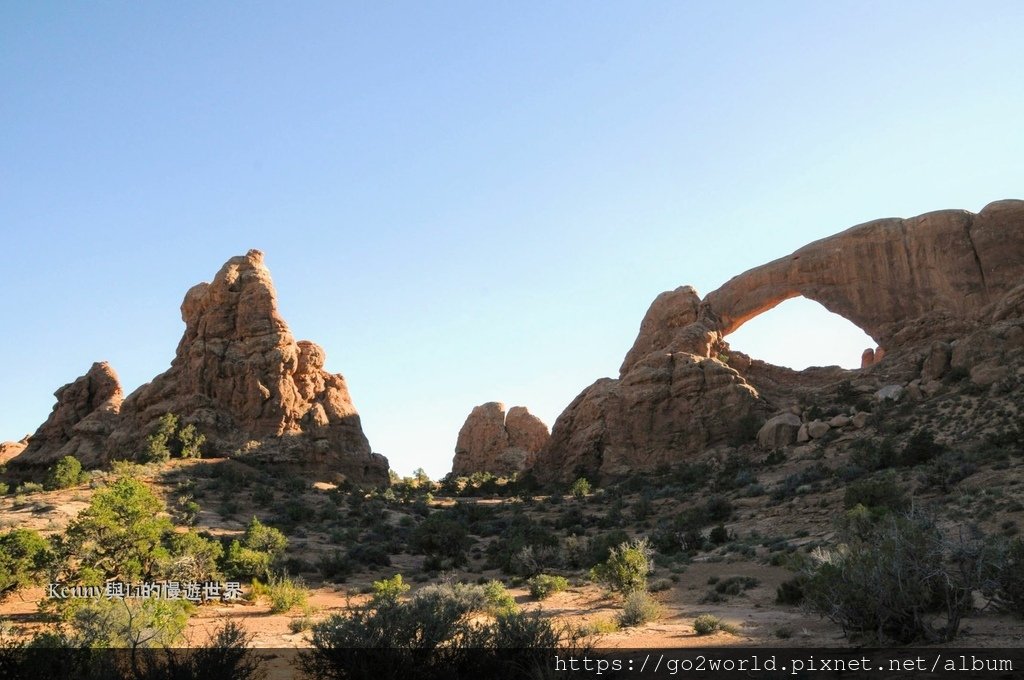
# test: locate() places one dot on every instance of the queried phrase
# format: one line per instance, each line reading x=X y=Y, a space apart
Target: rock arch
x=883 y=273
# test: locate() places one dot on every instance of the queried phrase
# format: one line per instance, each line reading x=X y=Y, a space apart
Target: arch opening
x=799 y=333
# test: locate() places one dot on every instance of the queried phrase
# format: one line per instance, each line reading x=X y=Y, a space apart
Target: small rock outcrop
x=238 y=376
x=503 y=444
x=85 y=414
x=9 y=450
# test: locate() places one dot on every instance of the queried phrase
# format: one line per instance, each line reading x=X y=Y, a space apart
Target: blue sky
x=466 y=202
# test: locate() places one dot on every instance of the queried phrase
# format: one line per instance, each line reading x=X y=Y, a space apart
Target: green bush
x=639 y=608
x=389 y=589
x=706 y=624
x=260 y=548
x=580 y=488
x=499 y=601
x=65 y=474
x=892 y=582
x=158 y=444
x=24 y=557
x=735 y=585
x=791 y=591
x=122 y=532
x=879 y=494
x=190 y=442
x=283 y=592
x=192 y=558
x=435 y=633
x=627 y=567
x=171 y=440
x=544 y=586
x=443 y=538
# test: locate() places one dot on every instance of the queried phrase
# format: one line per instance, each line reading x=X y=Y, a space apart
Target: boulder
x=780 y=431
x=839 y=421
x=890 y=393
x=817 y=429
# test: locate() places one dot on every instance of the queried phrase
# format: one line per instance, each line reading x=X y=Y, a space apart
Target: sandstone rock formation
x=239 y=376
x=906 y=282
x=492 y=441
x=85 y=414
x=946 y=265
x=9 y=450
x=780 y=431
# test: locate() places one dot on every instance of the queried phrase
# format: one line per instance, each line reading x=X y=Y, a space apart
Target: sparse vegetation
x=65 y=474
x=544 y=586
x=626 y=568
x=639 y=608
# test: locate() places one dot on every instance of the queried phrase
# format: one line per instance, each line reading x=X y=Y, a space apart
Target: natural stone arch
x=800 y=333
x=880 y=274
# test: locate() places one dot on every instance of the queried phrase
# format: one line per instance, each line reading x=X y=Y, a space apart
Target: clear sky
x=468 y=201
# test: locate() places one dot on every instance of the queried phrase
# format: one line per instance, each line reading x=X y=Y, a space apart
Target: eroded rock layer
x=923 y=287
x=239 y=376
x=503 y=444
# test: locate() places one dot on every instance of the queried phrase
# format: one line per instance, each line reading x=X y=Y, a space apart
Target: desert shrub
x=689 y=476
x=334 y=566
x=29 y=487
x=890 y=584
x=626 y=568
x=104 y=623
x=190 y=442
x=433 y=633
x=920 y=448
x=499 y=601
x=544 y=586
x=879 y=494
x=121 y=533
x=253 y=556
x=639 y=608
x=523 y=532
x=719 y=535
x=263 y=496
x=24 y=557
x=734 y=585
x=746 y=429
x=644 y=506
x=283 y=592
x=389 y=589
x=947 y=470
x=188 y=510
x=370 y=555
x=718 y=508
x=1004 y=570
x=580 y=488
x=801 y=482
x=601 y=545
x=171 y=440
x=441 y=537
x=158 y=443
x=600 y=627
x=706 y=624
x=191 y=557
x=65 y=474
x=791 y=591
x=571 y=521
